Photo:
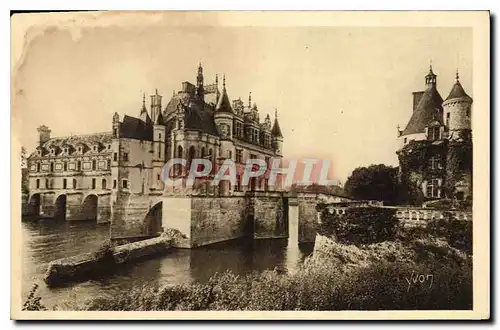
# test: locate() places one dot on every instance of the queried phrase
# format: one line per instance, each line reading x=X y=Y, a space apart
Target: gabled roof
x=428 y=109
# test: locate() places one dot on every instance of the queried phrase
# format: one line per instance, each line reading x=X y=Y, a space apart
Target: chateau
x=435 y=153
x=118 y=175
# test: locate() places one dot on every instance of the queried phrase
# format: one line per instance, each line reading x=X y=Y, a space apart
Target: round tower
x=457 y=109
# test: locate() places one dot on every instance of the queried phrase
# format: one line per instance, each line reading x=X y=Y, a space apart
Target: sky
x=340 y=92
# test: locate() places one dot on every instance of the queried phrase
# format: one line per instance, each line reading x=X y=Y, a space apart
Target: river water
x=48 y=240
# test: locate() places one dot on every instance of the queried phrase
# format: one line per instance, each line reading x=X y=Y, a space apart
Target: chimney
x=416 y=98
x=43 y=134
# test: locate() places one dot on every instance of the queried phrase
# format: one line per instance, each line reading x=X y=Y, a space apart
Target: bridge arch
x=34 y=203
x=88 y=208
x=60 y=207
x=153 y=220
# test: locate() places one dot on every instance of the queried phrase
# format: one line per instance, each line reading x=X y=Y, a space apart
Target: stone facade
x=117 y=176
x=435 y=153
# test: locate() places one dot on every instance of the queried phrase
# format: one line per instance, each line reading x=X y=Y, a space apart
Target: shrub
x=104 y=252
x=33 y=302
x=458 y=233
x=361 y=225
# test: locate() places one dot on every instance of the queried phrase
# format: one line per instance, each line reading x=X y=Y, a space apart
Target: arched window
x=103 y=183
x=179 y=152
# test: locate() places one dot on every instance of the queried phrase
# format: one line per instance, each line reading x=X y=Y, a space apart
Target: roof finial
x=156 y=91
x=143 y=100
x=276 y=113
x=457 y=76
x=224 y=81
x=430 y=65
x=216 y=80
x=249 y=99
x=173 y=92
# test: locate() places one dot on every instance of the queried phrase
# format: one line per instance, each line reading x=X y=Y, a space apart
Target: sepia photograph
x=324 y=163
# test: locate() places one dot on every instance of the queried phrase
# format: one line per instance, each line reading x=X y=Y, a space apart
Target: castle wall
x=270 y=215
x=217 y=219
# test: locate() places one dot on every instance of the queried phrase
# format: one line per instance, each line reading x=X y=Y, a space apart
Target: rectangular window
x=125 y=183
x=114 y=184
x=125 y=156
x=239 y=156
x=432 y=190
x=158 y=177
x=38 y=167
x=64 y=183
x=93 y=183
x=37 y=183
x=115 y=156
x=79 y=165
x=47 y=186
x=94 y=164
x=65 y=166
x=448 y=119
x=109 y=163
x=434 y=133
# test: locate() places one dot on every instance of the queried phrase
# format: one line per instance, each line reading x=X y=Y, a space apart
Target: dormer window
x=109 y=146
x=95 y=148
x=66 y=150
x=79 y=149
x=434 y=133
x=52 y=151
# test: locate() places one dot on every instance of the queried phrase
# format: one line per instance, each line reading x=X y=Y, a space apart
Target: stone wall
x=270 y=212
x=218 y=219
x=129 y=212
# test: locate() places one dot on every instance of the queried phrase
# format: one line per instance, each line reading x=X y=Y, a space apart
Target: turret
x=116 y=125
x=43 y=134
x=277 y=136
x=155 y=106
x=457 y=109
x=224 y=114
x=430 y=79
x=144 y=112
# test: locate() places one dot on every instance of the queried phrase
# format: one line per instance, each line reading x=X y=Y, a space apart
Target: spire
x=224 y=82
x=249 y=100
x=143 y=109
x=276 y=130
x=199 y=82
x=457 y=76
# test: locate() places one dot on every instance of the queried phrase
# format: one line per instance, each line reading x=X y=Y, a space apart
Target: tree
x=376 y=182
x=23 y=158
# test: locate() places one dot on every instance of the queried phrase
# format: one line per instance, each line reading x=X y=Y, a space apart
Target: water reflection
x=46 y=241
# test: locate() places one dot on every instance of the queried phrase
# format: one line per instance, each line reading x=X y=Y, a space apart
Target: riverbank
x=371 y=280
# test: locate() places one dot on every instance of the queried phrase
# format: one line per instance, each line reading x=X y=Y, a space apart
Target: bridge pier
x=47 y=204
x=73 y=203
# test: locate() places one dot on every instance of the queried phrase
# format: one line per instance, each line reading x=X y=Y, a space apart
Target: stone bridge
x=70 y=204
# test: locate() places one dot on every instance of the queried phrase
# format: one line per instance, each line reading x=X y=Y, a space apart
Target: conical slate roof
x=224 y=105
x=457 y=91
x=276 y=130
x=428 y=110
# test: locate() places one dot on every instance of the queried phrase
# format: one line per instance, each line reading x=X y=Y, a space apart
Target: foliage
x=376 y=182
x=33 y=302
x=318 y=189
x=459 y=161
x=359 y=225
x=380 y=286
x=414 y=156
x=104 y=252
x=458 y=233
